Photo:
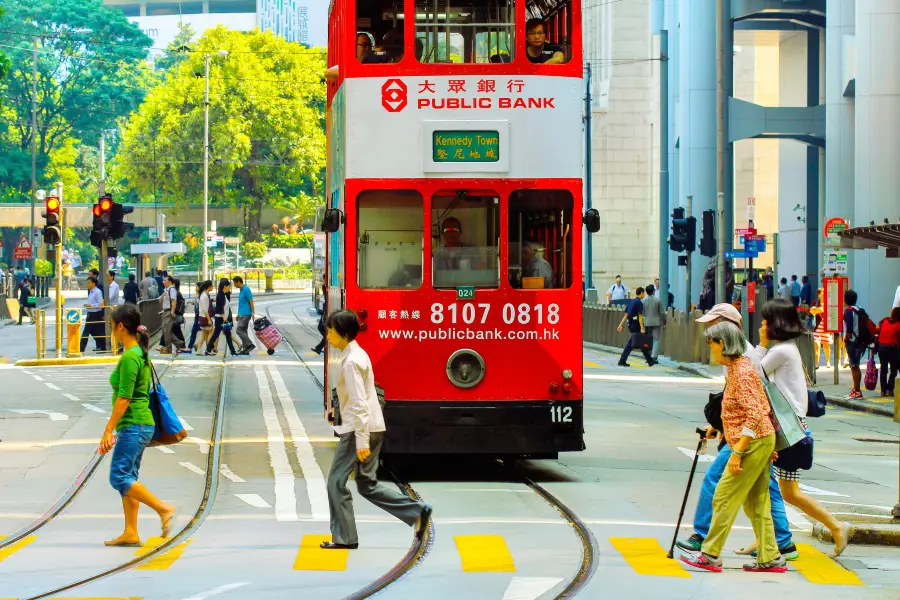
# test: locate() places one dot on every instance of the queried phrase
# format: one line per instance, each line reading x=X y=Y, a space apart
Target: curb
x=873 y=534
x=56 y=362
x=861 y=406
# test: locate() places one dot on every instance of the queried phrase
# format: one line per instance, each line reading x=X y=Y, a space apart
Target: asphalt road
x=494 y=538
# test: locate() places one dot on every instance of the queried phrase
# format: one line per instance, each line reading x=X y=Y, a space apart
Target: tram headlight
x=465 y=368
x=567 y=374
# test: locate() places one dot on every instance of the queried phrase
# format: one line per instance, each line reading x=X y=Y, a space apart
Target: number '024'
x=560 y=414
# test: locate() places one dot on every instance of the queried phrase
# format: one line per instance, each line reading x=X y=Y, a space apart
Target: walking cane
x=702 y=433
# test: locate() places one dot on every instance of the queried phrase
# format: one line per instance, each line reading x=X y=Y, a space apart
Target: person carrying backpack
x=859 y=334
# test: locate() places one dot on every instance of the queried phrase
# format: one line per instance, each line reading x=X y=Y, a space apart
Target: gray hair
x=730 y=335
x=534 y=247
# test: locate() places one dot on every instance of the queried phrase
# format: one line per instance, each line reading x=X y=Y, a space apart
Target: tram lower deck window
x=389 y=239
x=465 y=240
x=540 y=239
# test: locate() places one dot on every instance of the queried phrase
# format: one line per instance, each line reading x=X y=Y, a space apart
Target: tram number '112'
x=560 y=414
x=470 y=313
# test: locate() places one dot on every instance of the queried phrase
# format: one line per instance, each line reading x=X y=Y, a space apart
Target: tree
x=91 y=71
x=267 y=139
x=176 y=50
x=4 y=61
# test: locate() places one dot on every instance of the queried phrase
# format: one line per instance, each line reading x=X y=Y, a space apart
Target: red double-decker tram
x=455 y=219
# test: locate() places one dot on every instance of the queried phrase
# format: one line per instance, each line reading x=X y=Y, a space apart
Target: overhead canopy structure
x=873 y=236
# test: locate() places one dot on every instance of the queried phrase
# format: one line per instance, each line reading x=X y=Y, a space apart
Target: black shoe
x=424 y=520
x=622 y=364
x=250 y=349
x=333 y=546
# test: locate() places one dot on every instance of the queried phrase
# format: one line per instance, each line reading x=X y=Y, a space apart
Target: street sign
x=232 y=240
x=36 y=239
x=751 y=296
x=832 y=228
x=23 y=249
x=755 y=238
x=751 y=209
x=212 y=225
x=757 y=246
x=73 y=316
x=740 y=254
x=833 y=298
x=747 y=231
x=834 y=262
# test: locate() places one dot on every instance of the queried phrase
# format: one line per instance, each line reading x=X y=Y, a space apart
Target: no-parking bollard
x=270 y=277
x=73 y=332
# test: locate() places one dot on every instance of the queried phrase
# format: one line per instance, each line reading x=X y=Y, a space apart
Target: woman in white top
x=206 y=319
x=223 y=316
x=780 y=361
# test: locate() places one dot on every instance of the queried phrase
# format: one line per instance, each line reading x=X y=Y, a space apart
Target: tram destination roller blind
x=465 y=146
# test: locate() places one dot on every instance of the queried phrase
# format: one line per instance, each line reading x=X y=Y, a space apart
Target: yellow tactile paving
x=591 y=364
x=484 y=554
x=162 y=561
x=647 y=557
x=9 y=551
x=311 y=557
x=819 y=568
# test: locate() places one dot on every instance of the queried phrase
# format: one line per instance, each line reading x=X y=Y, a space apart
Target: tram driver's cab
x=465 y=240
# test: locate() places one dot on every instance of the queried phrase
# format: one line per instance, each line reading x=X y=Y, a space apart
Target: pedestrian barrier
x=259 y=281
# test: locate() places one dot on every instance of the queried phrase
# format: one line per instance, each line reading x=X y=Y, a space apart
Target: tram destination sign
x=465 y=146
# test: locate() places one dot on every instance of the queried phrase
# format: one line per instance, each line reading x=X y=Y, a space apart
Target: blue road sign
x=73 y=316
x=755 y=246
x=740 y=254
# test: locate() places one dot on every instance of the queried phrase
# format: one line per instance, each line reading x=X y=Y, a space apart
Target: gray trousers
x=243 y=323
x=168 y=322
x=655 y=331
x=340 y=500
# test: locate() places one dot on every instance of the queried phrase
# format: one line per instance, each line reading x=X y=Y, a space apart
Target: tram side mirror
x=592 y=220
x=332 y=220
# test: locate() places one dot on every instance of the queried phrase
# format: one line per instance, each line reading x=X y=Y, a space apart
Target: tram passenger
x=536 y=47
x=363 y=46
x=455 y=255
x=389 y=51
x=359 y=424
x=536 y=265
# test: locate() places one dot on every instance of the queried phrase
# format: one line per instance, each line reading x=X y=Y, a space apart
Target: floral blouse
x=745 y=406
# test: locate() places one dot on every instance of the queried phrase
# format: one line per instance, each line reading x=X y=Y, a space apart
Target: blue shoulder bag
x=169 y=429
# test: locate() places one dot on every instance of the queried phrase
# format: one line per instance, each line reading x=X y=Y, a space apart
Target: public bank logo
x=393 y=95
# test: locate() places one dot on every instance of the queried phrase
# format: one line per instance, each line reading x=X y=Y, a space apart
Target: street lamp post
x=34 y=74
x=205 y=265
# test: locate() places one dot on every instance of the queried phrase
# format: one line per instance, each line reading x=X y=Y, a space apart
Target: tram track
x=420 y=547
x=200 y=514
x=589 y=547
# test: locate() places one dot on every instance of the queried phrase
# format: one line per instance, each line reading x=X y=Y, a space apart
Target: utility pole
x=103 y=263
x=588 y=168
x=34 y=76
x=720 y=153
x=663 y=291
x=205 y=264
x=687 y=293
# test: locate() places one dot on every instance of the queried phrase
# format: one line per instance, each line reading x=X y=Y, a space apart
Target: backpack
x=153 y=290
x=867 y=329
x=179 y=304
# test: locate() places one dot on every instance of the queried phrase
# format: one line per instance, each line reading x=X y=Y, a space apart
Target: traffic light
x=102 y=221
x=52 y=231
x=708 y=241
x=118 y=227
x=684 y=232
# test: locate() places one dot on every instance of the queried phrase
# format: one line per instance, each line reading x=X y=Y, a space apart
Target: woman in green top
x=130 y=427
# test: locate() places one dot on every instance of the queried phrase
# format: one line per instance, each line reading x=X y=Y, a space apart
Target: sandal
x=746 y=551
x=119 y=543
x=333 y=546
x=167 y=524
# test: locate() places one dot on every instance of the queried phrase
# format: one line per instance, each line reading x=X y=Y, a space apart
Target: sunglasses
x=451 y=229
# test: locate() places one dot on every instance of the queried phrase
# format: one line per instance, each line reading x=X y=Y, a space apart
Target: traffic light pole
x=687 y=293
x=59 y=304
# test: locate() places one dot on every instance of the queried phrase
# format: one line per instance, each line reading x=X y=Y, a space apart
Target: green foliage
x=176 y=50
x=293 y=240
x=254 y=250
x=42 y=268
x=4 y=61
x=91 y=71
x=267 y=140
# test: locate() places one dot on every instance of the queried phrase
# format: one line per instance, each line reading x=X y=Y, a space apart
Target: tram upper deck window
x=470 y=31
x=465 y=240
x=537 y=48
x=389 y=239
x=540 y=239
x=379 y=38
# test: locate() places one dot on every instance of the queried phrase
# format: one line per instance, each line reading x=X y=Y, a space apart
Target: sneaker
x=692 y=544
x=704 y=561
x=423 y=521
x=774 y=566
x=855 y=395
x=789 y=552
x=250 y=349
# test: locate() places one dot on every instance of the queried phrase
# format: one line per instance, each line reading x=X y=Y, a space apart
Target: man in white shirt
x=169 y=300
x=113 y=295
x=94 y=324
x=360 y=425
x=617 y=295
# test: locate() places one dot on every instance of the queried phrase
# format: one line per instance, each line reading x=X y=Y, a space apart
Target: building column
x=877 y=183
x=813 y=228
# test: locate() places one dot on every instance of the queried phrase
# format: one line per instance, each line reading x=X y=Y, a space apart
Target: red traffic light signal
x=105 y=205
x=96 y=210
x=53 y=204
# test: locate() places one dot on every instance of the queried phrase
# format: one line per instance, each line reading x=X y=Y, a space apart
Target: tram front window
x=540 y=239
x=465 y=240
x=389 y=239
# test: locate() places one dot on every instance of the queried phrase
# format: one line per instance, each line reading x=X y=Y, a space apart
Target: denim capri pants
x=126 y=456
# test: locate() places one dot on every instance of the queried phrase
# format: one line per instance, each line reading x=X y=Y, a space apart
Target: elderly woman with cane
x=746 y=417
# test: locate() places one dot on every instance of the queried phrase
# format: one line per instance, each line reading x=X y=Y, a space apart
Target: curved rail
x=66 y=499
x=203 y=509
x=420 y=547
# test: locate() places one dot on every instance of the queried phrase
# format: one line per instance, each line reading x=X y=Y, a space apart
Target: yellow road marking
x=94 y=598
x=819 y=568
x=164 y=560
x=10 y=550
x=647 y=557
x=637 y=366
x=311 y=557
x=591 y=364
x=484 y=554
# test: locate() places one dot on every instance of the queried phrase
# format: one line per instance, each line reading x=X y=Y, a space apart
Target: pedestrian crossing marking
x=591 y=364
x=312 y=557
x=484 y=554
x=819 y=568
x=164 y=560
x=92 y=598
x=10 y=550
x=647 y=557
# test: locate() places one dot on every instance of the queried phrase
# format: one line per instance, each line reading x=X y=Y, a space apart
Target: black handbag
x=641 y=341
x=713 y=411
x=797 y=457
x=816 y=400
